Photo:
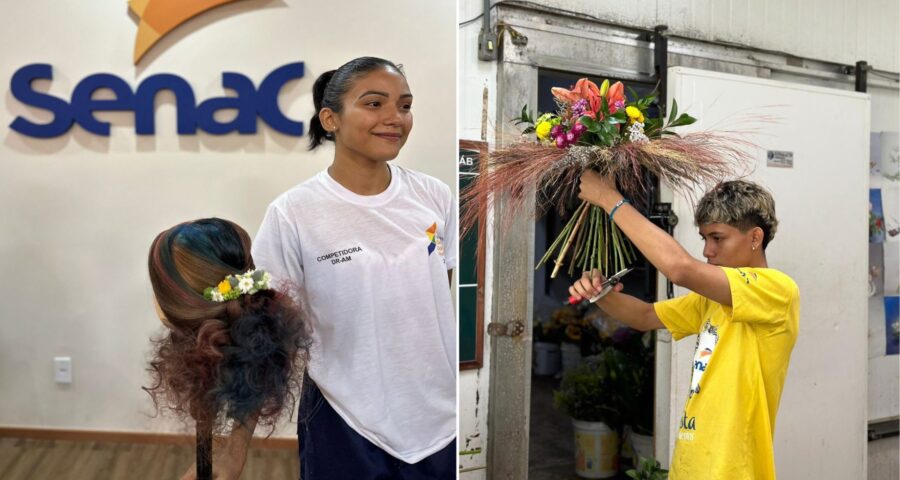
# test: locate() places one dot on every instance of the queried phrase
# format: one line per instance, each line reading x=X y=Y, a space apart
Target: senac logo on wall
x=157 y=18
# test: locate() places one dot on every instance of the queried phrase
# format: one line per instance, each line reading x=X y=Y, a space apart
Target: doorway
x=564 y=336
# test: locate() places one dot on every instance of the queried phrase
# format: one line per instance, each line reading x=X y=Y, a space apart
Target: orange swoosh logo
x=159 y=17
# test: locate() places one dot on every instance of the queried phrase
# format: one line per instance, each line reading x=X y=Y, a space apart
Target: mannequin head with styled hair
x=220 y=360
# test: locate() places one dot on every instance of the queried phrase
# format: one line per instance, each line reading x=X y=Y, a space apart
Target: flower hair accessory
x=236 y=285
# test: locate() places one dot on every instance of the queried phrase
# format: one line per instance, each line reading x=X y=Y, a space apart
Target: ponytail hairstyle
x=331 y=86
x=227 y=360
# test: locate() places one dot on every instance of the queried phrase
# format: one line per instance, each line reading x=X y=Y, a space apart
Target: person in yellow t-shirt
x=746 y=316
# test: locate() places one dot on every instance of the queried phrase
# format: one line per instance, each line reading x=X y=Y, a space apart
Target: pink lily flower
x=615 y=97
x=583 y=89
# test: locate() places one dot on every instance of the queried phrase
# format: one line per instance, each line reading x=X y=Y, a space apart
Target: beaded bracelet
x=612 y=212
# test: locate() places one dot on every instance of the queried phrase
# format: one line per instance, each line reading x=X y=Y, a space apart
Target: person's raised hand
x=593 y=187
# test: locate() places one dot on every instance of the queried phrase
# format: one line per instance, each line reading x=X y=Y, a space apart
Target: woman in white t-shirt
x=368 y=248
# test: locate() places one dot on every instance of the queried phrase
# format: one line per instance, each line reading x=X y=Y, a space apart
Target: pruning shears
x=607 y=286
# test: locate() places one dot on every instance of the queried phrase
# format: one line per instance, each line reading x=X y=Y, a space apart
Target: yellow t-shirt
x=740 y=363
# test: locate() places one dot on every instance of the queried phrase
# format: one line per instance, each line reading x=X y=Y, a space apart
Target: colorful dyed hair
x=221 y=361
x=740 y=204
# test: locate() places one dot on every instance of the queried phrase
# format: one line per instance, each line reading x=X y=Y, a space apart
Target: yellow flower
x=542 y=130
x=634 y=114
x=604 y=87
x=224 y=287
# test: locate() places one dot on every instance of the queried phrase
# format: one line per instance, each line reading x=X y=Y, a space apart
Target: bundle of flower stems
x=590 y=249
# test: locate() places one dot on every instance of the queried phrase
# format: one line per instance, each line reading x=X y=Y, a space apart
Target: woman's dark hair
x=226 y=360
x=331 y=86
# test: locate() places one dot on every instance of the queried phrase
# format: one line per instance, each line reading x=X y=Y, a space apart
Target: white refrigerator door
x=822 y=206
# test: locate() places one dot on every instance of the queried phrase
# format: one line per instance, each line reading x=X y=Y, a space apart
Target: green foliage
x=614 y=387
x=648 y=469
x=585 y=392
x=525 y=118
x=604 y=388
x=675 y=120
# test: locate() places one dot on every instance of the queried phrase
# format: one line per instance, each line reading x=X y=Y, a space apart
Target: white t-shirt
x=372 y=272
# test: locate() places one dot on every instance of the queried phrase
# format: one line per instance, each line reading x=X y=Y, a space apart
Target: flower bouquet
x=598 y=127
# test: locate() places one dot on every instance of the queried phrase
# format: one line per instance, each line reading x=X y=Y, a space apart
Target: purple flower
x=579 y=107
x=556 y=131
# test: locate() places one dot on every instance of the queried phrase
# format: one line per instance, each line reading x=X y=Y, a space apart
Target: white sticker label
x=780 y=159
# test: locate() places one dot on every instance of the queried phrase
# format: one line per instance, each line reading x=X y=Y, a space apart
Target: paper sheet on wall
x=892 y=324
x=890 y=202
x=890 y=156
x=891 y=269
x=884 y=235
x=875 y=160
x=890 y=196
x=876 y=270
x=876 y=216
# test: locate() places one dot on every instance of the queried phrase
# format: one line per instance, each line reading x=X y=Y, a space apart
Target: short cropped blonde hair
x=740 y=204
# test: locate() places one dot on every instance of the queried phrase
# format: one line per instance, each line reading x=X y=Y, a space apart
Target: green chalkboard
x=471 y=278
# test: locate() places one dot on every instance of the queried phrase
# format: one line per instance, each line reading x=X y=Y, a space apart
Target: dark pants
x=331 y=450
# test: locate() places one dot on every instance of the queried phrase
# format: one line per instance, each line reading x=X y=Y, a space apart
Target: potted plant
x=648 y=469
x=586 y=395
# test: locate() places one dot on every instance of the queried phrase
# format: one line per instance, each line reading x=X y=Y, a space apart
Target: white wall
x=842 y=31
x=474 y=77
x=80 y=211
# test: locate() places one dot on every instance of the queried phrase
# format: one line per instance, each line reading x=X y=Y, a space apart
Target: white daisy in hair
x=245 y=284
x=217 y=296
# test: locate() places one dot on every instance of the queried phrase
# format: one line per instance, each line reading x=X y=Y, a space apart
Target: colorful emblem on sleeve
x=431 y=237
